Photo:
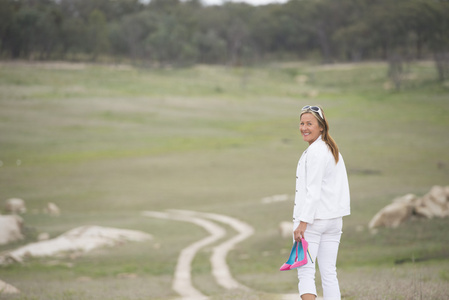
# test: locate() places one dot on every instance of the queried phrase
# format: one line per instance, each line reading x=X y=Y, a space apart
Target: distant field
x=106 y=142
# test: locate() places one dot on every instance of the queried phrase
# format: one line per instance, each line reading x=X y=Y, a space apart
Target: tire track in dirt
x=220 y=268
x=182 y=282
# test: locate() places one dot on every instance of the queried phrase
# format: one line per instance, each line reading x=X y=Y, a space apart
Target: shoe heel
x=309 y=255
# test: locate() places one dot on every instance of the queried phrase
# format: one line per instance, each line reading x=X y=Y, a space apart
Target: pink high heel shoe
x=300 y=259
x=291 y=258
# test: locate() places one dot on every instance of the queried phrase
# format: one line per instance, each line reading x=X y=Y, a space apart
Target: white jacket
x=322 y=189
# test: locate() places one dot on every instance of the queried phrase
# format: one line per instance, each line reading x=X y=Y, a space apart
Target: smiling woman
x=310 y=129
x=313 y=132
x=321 y=201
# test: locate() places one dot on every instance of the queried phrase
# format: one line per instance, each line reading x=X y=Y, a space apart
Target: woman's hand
x=299 y=231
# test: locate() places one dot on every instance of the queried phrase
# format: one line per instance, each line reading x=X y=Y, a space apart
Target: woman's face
x=310 y=128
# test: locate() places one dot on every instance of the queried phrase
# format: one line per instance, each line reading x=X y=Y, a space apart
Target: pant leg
x=327 y=259
x=306 y=273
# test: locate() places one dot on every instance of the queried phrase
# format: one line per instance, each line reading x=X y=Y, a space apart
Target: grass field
x=106 y=142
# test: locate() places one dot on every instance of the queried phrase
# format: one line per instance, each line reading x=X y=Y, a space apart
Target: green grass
x=106 y=142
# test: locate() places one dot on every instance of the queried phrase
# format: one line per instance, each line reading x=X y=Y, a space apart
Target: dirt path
x=182 y=282
x=220 y=268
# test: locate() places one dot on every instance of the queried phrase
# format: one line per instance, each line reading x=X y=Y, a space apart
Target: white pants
x=323 y=237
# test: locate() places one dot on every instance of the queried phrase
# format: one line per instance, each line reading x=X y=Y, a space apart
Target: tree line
x=179 y=33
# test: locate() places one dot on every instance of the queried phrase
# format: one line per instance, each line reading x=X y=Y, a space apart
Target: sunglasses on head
x=314 y=109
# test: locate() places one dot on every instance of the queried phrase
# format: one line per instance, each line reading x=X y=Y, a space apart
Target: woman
x=321 y=200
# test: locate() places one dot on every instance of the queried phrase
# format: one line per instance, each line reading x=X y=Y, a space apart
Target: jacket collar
x=317 y=140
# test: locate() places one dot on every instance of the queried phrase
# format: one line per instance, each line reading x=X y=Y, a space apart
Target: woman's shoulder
x=318 y=146
x=318 y=149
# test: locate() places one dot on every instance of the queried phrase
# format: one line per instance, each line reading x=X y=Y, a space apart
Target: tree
x=112 y=10
x=48 y=31
x=430 y=22
x=234 y=29
x=169 y=43
x=130 y=33
x=181 y=32
x=354 y=35
x=6 y=23
x=211 y=47
x=73 y=33
x=97 y=34
x=24 y=32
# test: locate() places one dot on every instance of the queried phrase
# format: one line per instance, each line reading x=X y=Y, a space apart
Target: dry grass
x=105 y=143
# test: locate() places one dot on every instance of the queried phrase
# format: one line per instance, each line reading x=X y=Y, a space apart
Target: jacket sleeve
x=315 y=170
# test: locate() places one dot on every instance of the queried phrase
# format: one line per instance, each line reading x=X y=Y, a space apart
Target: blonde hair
x=325 y=134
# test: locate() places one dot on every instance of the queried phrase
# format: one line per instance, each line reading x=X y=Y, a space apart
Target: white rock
x=286 y=229
x=275 y=198
x=52 y=209
x=44 y=236
x=10 y=229
x=391 y=215
x=433 y=204
x=438 y=194
x=82 y=239
x=15 y=206
x=6 y=288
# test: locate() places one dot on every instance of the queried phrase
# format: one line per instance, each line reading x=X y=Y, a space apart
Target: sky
x=253 y=2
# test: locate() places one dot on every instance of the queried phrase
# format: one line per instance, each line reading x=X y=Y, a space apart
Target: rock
x=445 y=190
x=438 y=194
x=409 y=199
x=6 y=288
x=433 y=204
x=286 y=229
x=52 y=209
x=275 y=198
x=391 y=215
x=15 y=206
x=434 y=207
x=423 y=211
x=43 y=236
x=78 y=240
x=10 y=229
